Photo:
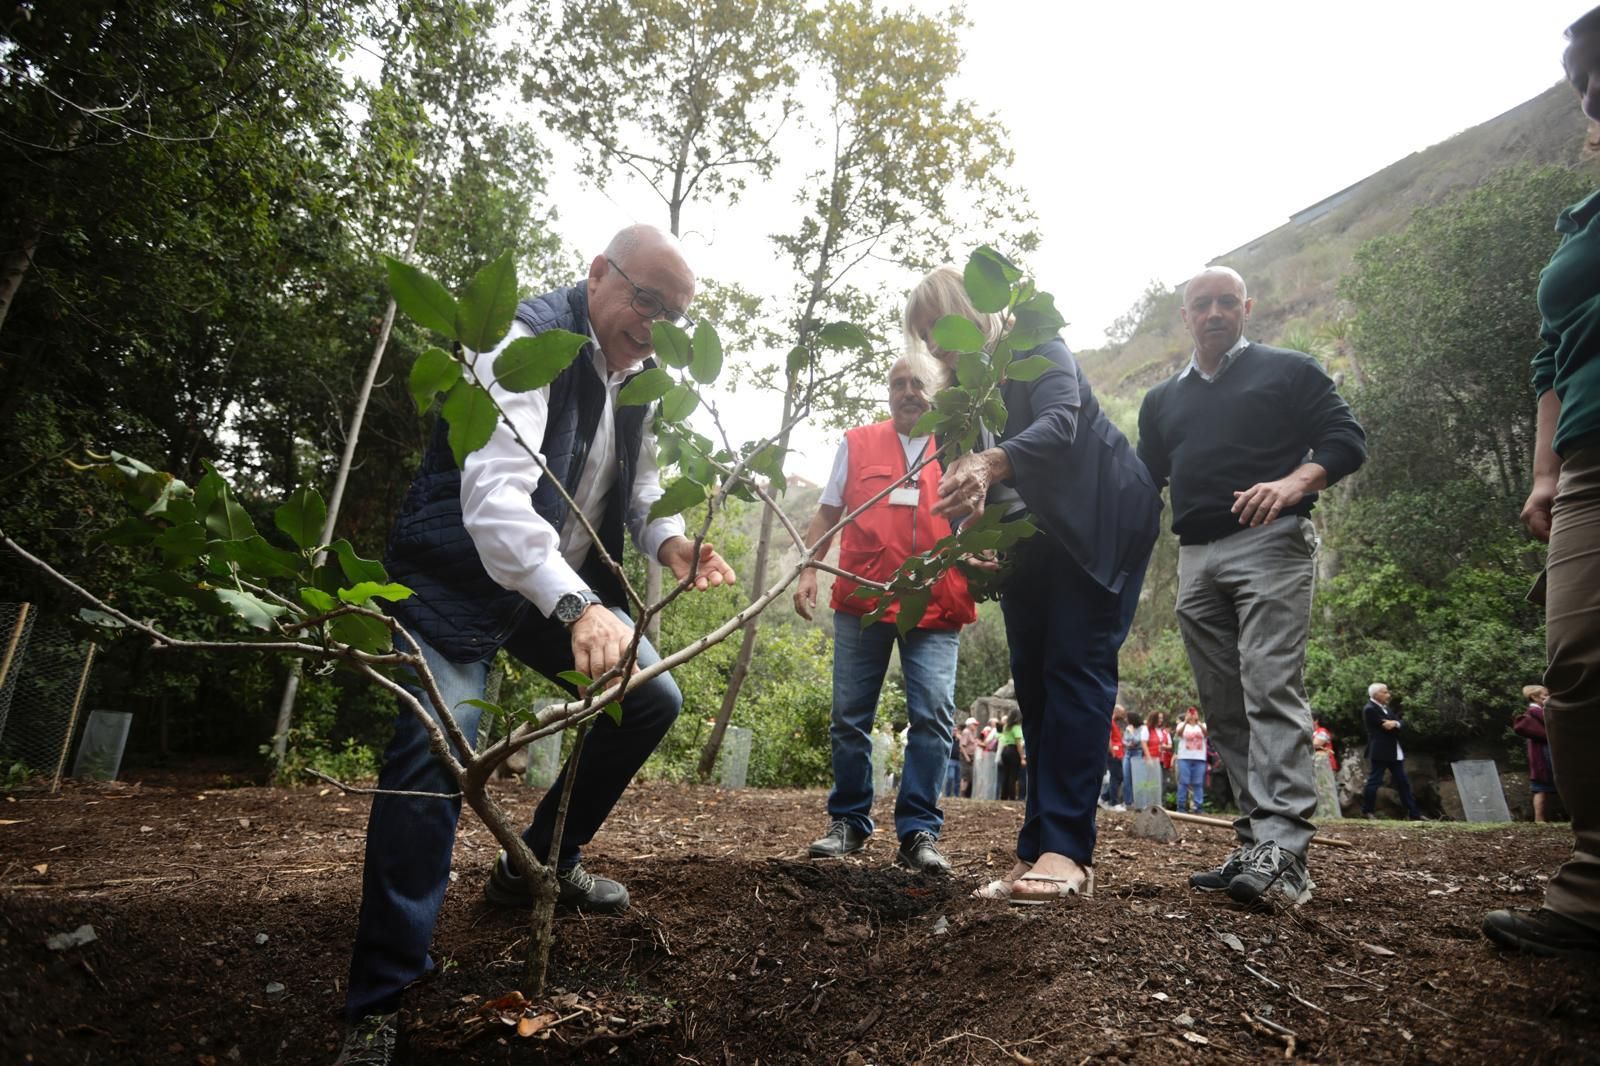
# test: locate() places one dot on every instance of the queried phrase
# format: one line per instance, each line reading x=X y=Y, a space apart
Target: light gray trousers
x=1244 y=604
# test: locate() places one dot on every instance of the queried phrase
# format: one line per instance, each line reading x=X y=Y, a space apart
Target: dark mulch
x=739 y=951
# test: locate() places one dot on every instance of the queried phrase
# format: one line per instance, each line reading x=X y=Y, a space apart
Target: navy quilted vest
x=457 y=607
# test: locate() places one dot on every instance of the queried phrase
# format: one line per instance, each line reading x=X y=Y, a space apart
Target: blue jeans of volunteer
x=1191 y=780
x=860 y=660
x=410 y=838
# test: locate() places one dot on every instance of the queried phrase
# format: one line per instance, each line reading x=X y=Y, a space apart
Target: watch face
x=570 y=607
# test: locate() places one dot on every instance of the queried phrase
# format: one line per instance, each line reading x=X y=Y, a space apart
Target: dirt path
x=204 y=902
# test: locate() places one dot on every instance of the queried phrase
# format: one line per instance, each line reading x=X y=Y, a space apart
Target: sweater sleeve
x=1055 y=401
x=1337 y=441
x=1152 y=446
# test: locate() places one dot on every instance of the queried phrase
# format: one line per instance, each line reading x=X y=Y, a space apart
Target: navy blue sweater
x=1269 y=411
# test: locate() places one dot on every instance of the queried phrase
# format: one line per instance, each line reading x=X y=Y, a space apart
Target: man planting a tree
x=497 y=558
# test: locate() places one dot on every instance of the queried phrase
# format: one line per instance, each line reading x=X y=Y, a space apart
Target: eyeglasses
x=647 y=305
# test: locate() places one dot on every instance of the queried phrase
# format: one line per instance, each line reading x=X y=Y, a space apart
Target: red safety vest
x=884 y=536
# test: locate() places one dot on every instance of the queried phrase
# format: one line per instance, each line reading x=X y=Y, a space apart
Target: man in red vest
x=898 y=526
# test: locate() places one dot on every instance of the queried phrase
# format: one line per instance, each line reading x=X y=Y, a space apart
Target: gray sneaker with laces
x=1219 y=879
x=370 y=1042
x=1267 y=866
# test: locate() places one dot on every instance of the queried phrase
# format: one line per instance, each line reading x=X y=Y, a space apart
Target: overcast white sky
x=1153 y=136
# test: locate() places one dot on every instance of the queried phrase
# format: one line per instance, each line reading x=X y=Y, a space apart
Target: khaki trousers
x=1572 y=716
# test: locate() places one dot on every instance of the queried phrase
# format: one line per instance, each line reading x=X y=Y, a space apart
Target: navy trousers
x=1064 y=631
x=409 y=839
x=1402 y=785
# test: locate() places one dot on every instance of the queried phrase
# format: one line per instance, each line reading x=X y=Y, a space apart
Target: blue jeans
x=1113 y=791
x=952 y=778
x=1064 y=631
x=860 y=660
x=409 y=839
x=1191 y=779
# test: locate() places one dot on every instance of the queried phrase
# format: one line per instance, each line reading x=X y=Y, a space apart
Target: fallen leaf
x=147 y=829
x=528 y=1026
x=42 y=868
x=1376 y=950
x=77 y=938
x=1232 y=941
x=12 y=821
x=1160 y=997
x=1195 y=1038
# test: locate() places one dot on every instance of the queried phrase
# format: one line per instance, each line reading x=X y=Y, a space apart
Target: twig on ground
x=1267 y=1027
x=356 y=789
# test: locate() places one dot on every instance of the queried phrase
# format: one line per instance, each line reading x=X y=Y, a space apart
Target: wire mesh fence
x=44 y=672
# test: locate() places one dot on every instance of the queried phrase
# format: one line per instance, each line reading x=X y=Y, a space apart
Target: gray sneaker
x=1219 y=879
x=1268 y=866
x=370 y=1042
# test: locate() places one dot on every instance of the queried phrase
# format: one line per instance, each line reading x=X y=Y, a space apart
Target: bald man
x=498 y=559
x=1246 y=436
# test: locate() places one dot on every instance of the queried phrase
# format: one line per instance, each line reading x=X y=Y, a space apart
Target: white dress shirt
x=1222 y=364
x=521 y=550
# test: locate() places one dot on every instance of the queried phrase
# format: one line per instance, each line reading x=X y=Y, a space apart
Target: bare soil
x=205 y=901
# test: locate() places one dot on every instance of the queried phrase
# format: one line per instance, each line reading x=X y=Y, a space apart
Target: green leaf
x=987 y=285
x=613 y=711
x=576 y=678
x=529 y=363
x=707 y=361
x=484 y=312
x=258 y=559
x=679 y=403
x=1035 y=322
x=843 y=335
x=681 y=495
x=128 y=533
x=433 y=372
x=424 y=300
x=798 y=357
x=363 y=592
x=175 y=585
x=1029 y=368
x=187 y=541
x=363 y=632
x=483 y=705
x=647 y=386
x=101 y=619
x=877 y=613
x=671 y=344
x=971 y=370
x=471 y=415
x=318 y=600
x=255 y=612
x=956 y=333
x=302 y=516
x=994 y=413
x=355 y=568
x=930 y=422
x=223 y=517
x=913 y=605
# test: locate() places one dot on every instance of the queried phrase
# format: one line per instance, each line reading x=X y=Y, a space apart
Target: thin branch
x=359 y=791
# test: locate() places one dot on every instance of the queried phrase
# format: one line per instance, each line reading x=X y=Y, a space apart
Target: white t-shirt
x=1139 y=737
x=1191 y=741
x=833 y=491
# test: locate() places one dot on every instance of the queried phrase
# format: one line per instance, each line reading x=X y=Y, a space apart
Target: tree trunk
x=747 y=645
x=16 y=264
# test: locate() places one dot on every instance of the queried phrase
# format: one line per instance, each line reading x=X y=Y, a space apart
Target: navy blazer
x=1077 y=473
x=1383 y=745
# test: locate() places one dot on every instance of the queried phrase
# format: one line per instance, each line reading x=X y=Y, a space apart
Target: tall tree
x=911 y=170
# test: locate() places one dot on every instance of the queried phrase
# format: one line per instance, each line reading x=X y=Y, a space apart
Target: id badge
x=905 y=496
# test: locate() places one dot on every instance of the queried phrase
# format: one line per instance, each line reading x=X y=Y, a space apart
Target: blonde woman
x=1071 y=590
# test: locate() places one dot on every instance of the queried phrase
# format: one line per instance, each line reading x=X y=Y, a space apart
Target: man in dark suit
x=1384 y=751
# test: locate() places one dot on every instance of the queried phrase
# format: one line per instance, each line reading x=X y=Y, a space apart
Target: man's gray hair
x=1372 y=689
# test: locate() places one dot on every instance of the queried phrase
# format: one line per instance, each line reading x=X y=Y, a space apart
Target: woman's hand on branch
x=966 y=482
x=677 y=555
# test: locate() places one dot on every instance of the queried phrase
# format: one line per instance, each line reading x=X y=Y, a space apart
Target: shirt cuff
x=551 y=581
x=658 y=533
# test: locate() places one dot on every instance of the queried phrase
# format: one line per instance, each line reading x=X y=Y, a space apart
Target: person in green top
x=1012 y=757
x=1564 y=509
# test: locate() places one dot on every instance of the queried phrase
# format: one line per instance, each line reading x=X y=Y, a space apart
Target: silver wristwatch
x=570 y=608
